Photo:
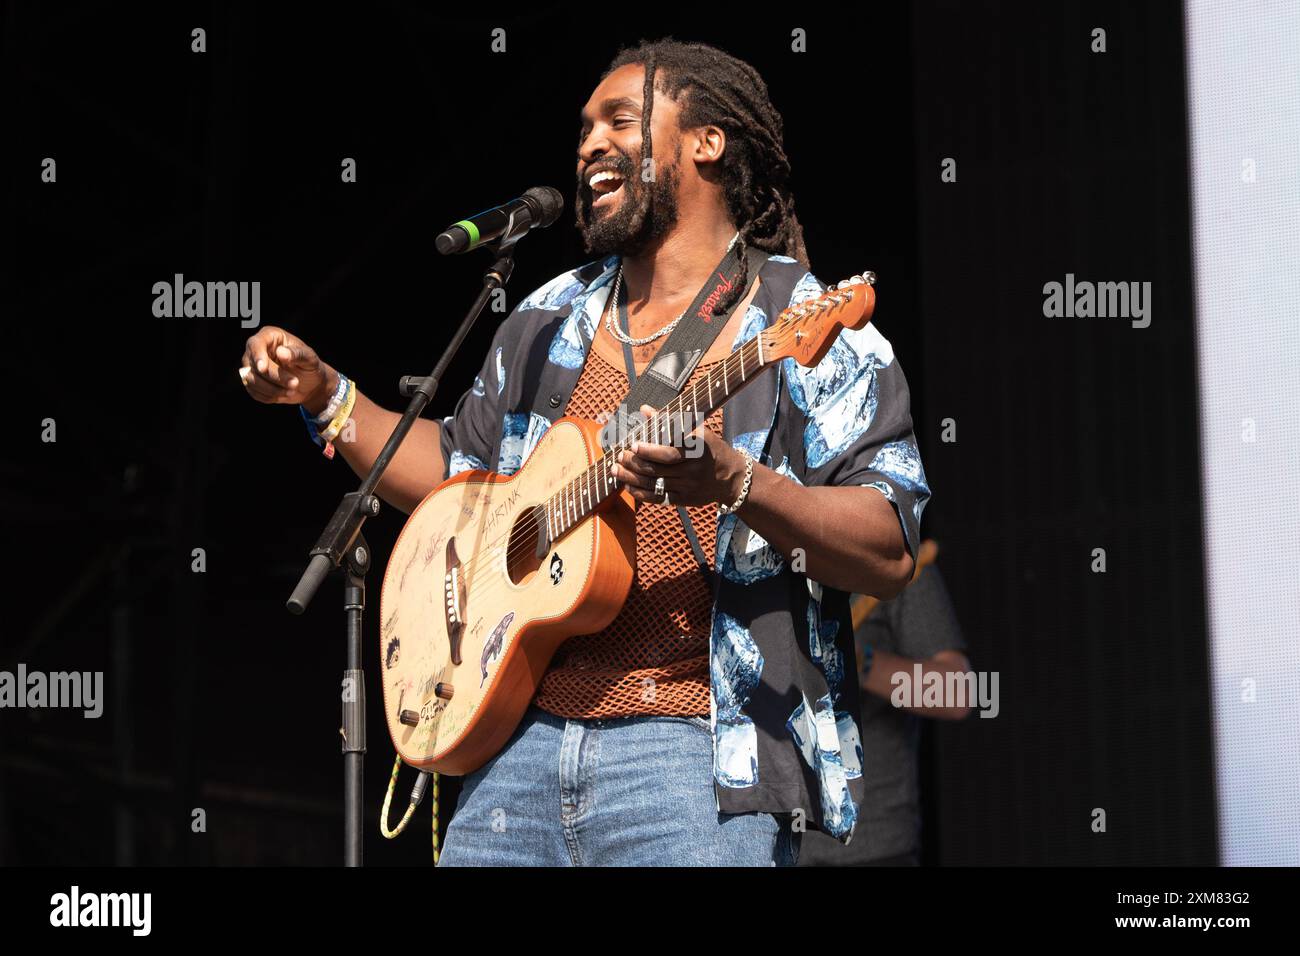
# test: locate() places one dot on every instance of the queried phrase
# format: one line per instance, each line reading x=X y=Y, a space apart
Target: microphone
x=535 y=209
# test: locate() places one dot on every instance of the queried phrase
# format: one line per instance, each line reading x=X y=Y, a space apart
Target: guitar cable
x=417 y=795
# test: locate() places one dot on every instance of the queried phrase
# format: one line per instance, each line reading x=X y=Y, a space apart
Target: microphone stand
x=342 y=544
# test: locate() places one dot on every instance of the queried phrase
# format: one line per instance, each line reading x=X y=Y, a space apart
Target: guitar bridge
x=453 y=586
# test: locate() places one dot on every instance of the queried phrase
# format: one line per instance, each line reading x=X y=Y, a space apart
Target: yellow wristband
x=336 y=424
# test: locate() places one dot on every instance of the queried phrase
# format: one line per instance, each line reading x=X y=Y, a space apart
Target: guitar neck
x=578 y=499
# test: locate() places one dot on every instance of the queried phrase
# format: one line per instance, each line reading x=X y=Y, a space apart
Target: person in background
x=918 y=626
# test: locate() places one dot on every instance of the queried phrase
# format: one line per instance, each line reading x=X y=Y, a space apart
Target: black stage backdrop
x=1073 y=434
x=225 y=166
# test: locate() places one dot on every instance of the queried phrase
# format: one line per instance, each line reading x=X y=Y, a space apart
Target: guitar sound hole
x=521 y=555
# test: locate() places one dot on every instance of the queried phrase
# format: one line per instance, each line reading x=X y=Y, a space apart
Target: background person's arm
x=884 y=665
x=919 y=627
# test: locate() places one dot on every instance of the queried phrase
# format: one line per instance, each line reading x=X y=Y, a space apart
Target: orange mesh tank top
x=654 y=657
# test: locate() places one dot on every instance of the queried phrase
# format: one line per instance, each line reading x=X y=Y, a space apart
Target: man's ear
x=710 y=144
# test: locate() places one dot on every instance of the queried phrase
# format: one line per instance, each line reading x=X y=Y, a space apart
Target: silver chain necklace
x=613 y=329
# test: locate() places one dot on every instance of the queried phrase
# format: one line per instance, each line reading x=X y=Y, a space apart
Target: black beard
x=632 y=227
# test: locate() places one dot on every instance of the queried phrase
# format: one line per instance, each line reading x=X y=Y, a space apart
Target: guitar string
x=576 y=489
x=571 y=490
x=519 y=538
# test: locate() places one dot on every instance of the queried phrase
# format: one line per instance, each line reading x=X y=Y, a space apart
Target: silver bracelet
x=744 y=489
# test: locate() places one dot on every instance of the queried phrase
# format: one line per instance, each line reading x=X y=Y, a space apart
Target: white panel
x=1243 y=81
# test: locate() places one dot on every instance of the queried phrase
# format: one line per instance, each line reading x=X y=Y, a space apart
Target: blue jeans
x=633 y=791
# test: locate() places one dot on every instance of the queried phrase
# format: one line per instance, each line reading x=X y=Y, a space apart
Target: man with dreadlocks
x=716 y=718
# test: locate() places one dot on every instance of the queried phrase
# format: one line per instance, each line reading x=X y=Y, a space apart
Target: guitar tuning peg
x=869 y=277
x=856 y=280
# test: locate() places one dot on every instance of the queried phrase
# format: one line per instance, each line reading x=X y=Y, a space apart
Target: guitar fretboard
x=578 y=499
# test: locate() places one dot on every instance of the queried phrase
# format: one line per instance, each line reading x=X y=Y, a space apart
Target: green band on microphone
x=471 y=229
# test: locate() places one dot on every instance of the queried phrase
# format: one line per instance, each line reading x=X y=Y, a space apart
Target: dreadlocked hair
x=723 y=91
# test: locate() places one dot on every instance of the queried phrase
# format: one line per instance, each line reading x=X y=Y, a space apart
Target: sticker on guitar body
x=492 y=646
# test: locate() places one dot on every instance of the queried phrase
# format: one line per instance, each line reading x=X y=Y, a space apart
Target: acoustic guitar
x=491 y=573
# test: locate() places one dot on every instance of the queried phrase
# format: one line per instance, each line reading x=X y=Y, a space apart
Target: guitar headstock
x=806 y=331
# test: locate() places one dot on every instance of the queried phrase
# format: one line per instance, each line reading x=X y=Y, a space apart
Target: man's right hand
x=283 y=369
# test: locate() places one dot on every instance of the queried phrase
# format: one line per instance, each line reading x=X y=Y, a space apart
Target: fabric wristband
x=332 y=407
x=332 y=430
x=338 y=409
x=312 y=429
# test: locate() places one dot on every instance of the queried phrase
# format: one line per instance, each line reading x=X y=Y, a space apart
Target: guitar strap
x=670 y=370
x=666 y=376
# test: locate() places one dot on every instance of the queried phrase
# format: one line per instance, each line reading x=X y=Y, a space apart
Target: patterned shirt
x=784 y=704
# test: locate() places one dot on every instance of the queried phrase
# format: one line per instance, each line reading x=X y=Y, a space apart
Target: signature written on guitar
x=500 y=511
